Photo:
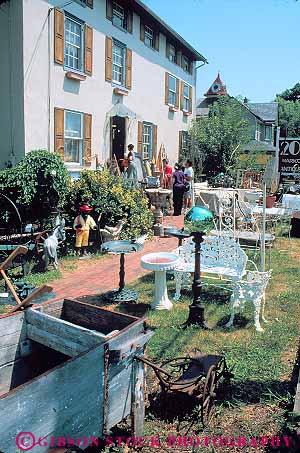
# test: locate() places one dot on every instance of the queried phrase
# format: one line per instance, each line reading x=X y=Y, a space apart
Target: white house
x=85 y=78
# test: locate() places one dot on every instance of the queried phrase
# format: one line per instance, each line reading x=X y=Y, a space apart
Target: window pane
x=186 y=92
x=147 y=141
x=118 y=15
x=118 y=63
x=172 y=83
x=72 y=150
x=73 y=125
x=73 y=44
x=149 y=36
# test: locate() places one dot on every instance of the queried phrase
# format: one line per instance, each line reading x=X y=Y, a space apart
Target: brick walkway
x=98 y=276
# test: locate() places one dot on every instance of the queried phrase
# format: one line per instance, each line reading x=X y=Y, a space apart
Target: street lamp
x=199 y=221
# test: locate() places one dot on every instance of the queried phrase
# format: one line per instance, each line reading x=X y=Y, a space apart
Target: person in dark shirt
x=178 y=189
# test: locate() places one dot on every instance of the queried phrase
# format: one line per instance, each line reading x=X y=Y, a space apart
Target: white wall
x=11 y=83
x=95 y=95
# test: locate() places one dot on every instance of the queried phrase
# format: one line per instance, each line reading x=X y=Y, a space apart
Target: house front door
x=118 y=137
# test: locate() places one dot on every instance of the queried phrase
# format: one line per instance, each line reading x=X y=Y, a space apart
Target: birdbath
x=160 y=262
x=121 y=248
x=158 y=198
x=179 y=234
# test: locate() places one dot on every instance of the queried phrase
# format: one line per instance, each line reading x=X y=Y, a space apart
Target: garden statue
x=109 y=233
x=51 y=243
x=82 y=225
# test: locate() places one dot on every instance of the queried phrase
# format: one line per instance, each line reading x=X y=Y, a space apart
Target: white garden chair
x=251 y=289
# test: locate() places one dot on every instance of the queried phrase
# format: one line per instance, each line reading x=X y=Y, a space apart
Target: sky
x=255 y=44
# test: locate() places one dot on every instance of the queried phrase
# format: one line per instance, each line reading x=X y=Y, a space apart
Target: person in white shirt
x=188 y=176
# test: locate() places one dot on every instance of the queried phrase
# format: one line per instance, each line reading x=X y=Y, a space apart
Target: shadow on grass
x=240 y=322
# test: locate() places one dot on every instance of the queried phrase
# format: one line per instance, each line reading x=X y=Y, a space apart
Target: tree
x=220 y=136
x=289 y=111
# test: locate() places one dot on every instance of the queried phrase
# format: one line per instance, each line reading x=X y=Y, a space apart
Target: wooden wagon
x=68 y=368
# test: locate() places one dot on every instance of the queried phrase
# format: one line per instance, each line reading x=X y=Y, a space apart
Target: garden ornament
x=50 y=246
x=252 y=289
x=82 y=225
x=111 y=233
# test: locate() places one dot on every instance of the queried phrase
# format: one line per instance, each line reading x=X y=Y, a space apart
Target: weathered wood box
x=67 y=369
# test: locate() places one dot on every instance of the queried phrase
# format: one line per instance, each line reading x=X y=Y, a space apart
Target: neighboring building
x=87 y=78
x=263 y=116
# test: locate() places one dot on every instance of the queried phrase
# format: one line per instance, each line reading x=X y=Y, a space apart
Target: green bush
x=37 y=183
x=114 y=199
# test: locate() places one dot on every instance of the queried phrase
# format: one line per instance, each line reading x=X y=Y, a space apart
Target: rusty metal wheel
x=207 y=403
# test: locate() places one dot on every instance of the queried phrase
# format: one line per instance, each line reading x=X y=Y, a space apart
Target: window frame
x=186 y=99
x=184 y=145
x=123 y=47
x=171 y=91
x=149 y=155
x=173 y=47
x=125 y=23
x=152 y=38
x=187 y=60
x=80 y=23
x=268 y=132
x=81 y=138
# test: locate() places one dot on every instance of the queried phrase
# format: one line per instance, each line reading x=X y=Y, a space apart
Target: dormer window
x=171 y=53
x=119 y=17
x=185 y=63
x=149 y=36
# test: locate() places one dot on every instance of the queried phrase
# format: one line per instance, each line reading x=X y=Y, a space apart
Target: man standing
x=82 y=224
x=188 y=176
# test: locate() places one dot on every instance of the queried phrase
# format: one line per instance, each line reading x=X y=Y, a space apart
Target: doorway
x=118 y=137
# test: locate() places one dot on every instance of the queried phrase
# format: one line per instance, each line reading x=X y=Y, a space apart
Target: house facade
x=262 y=117
x=86 y=78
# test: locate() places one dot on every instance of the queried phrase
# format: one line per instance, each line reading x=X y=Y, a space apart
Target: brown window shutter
x=108 y=59
x=177 y=93
x=87 y=145
x=167 y=49
x=109 y=10
x=156 y=42
x=191 y=99
x=90 y=3
x=166 y=88
x=59 y=31
x=59 y=131
x=181 y=94
x=129 y=21
x=88 y=50
x=180 y=144
x=154 y=140
x=142 y=32
x=140 y=137
x=128 y=81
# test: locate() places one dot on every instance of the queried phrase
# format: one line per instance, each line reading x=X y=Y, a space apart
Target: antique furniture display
x=250 y=289
x=198 y=376
x=122 y=248
x=68 y=367
x=160 y=262
x=158 y=198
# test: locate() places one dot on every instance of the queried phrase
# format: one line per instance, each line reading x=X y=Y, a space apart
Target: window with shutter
x=87 y=150
x=88 y=51
x=73 y=43
x=59 y=120
x=73 y=137
x=108 y=59
x=59 y=36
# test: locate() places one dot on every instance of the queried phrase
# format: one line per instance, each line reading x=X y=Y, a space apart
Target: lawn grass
x=263 y=362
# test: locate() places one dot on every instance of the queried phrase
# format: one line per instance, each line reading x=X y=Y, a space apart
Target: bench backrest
x=216 y=251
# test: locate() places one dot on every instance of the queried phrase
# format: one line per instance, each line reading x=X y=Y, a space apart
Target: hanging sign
x=289 y=157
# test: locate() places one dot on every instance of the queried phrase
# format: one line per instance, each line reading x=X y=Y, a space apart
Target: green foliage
x=37 y=183
x=114 y=199
x=289 y=117
x=220 y=136
x=292 y=94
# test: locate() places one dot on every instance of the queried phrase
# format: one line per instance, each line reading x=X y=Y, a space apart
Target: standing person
x=167 y=182
x=188 y=176
x=131 y=172
x=178 y=189
x=82 y=224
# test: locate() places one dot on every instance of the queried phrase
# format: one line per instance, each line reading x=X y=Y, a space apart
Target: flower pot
x=270 y=201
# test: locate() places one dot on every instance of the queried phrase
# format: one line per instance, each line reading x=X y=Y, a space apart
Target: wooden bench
x=220 y=256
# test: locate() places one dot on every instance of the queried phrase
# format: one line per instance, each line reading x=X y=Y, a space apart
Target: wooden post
x=263 y=232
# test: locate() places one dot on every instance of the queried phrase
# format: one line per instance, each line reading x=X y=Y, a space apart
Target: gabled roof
x=218 y=88
x=267 y=111
x=143 y=9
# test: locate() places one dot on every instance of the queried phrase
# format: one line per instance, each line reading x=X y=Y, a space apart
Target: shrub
x=37 y=183
x=114 y=199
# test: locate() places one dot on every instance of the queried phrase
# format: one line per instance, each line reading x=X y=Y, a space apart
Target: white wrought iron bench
x=220 y=256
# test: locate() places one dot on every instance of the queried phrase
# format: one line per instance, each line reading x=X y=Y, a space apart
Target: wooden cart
x=68 y=368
